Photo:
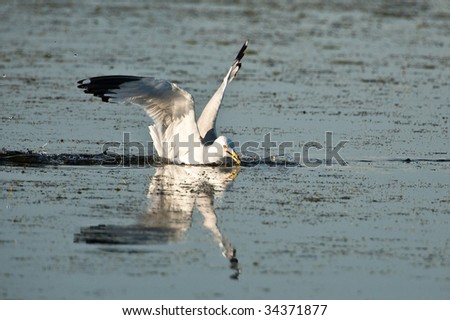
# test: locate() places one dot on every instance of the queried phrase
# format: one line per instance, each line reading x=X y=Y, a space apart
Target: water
x=375 y=74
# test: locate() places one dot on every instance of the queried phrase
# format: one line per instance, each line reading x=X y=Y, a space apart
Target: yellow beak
x=233 y=155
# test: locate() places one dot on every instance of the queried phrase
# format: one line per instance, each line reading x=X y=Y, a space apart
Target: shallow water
x=375 y=74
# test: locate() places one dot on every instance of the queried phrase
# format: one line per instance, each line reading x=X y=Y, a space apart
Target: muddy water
x=374 y=74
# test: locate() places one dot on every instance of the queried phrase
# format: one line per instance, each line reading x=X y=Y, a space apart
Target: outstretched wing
x=170 y=107
x=164 y=101
x=207 y=120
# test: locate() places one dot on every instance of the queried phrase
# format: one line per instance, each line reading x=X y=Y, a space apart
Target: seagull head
x=225 y=148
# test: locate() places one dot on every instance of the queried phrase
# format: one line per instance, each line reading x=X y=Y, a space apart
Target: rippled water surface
x=375 y=74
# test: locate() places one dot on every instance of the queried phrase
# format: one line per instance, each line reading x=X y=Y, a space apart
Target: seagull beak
x=232 y=154
x=235 y=157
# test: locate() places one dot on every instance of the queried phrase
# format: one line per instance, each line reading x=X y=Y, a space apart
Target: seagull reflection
x=173 y=193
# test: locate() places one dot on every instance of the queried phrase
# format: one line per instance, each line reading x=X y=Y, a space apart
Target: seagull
x=176 y=135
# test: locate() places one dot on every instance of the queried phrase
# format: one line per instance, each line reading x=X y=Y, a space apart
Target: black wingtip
x=104 y=86
x=241 y=53
x=81 y=84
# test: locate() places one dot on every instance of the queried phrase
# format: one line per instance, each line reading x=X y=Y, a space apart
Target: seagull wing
x=207 y=120
x=170 y=107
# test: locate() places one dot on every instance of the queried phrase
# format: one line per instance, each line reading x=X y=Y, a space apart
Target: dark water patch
x=387 y=80
x=29 y=158
x=400 y=9
x=133 y=234
x=401 y=160
x=345 y=62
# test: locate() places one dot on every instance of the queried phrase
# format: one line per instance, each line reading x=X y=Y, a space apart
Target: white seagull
x=177 y=137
